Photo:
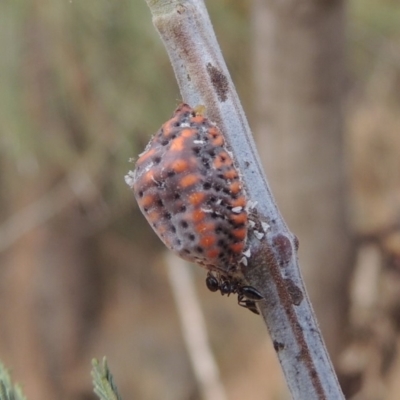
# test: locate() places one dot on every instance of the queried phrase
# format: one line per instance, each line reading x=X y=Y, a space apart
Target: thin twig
x=194 y=329
x=273 y=268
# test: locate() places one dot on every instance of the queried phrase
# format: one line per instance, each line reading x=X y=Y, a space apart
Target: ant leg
x=249 y=304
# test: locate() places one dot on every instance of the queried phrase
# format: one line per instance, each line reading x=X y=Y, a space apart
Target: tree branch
x=273 y=268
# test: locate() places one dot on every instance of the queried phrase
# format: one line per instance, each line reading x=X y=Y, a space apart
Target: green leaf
x=103 y=381
x=8 y=391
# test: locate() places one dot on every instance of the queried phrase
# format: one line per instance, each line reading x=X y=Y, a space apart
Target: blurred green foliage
x=378 y=17
x=8 y=390
x=374 y=37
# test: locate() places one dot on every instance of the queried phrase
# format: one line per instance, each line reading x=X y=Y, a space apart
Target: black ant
x=247 y=295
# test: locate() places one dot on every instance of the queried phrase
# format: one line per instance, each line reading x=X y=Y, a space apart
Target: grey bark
x=272 y=266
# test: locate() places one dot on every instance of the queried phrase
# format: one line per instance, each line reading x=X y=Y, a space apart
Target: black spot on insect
x=184 y=224
x=205 y=162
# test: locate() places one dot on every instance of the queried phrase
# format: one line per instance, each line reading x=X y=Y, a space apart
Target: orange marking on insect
x=236 y=247
x=178 y=144
x=239 y=234
x=153 y=216
x=217 y=163
x=238 y=218
x=197 y=119
x=235 y=187
x=222 y=159
x=204 y=227
x=179 y=166
x=146 y=201
x=218 y=141
x=216 y=136
x=187 y=133
x=168 y=128
x=207 y=241
x=161 y=229
x=198 y=216
x=230 y=174
x=239 y=202
x=189 y=180
x=211 y=254
x=145 y=156
x=225 y=157
x=148 y=176
x=196 y=198
x=214 y=133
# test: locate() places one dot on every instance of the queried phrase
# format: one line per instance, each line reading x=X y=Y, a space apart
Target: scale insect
x=188 y=188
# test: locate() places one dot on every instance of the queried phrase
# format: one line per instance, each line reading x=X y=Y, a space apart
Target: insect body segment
x=247 y=295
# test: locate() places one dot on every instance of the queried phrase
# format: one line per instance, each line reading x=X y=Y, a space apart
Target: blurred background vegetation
x=83 y=85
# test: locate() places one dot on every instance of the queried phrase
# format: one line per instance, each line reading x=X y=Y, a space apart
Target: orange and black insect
x=189 y=190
